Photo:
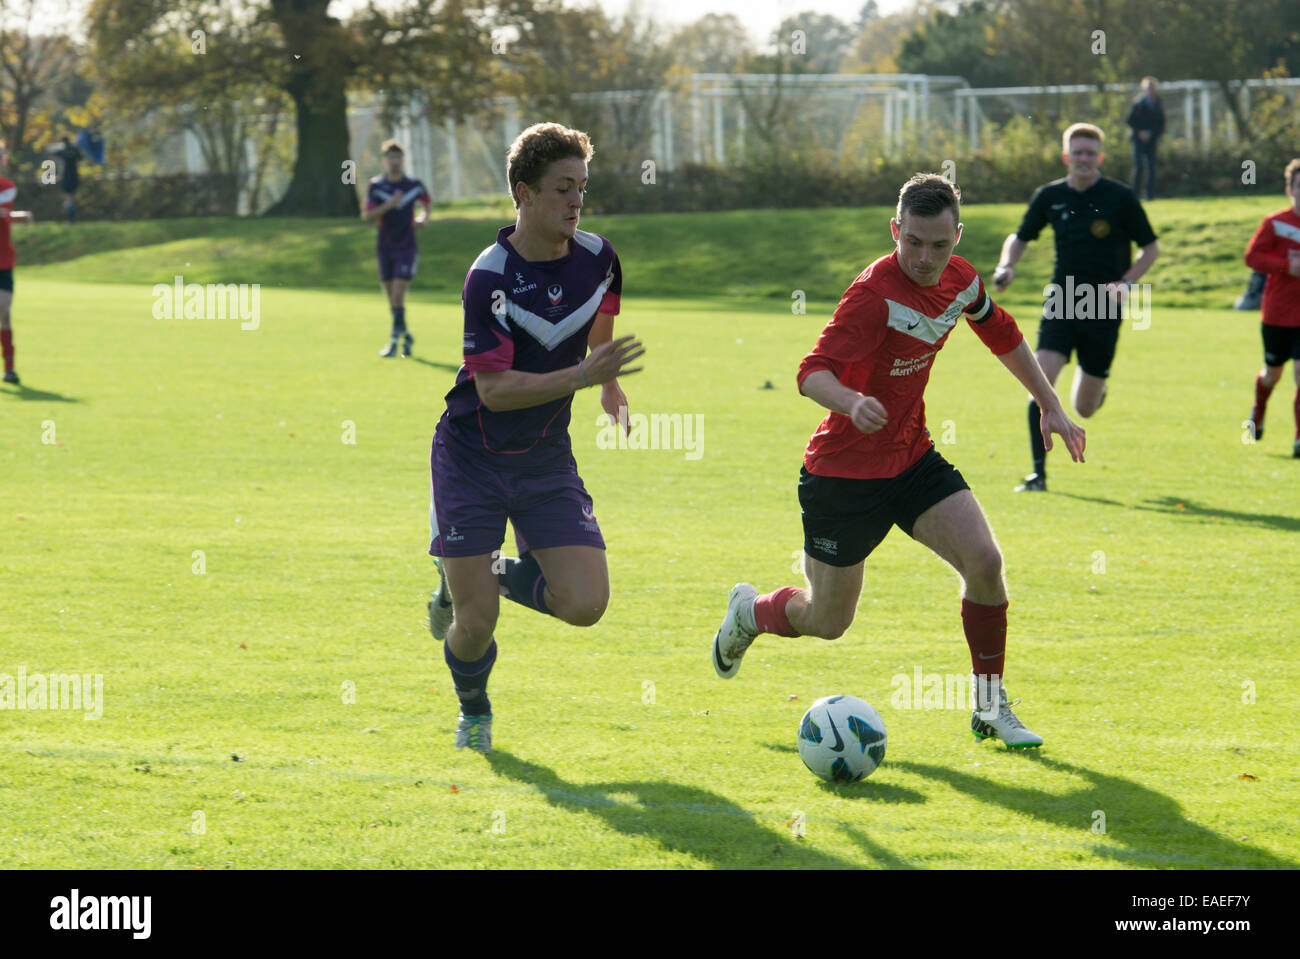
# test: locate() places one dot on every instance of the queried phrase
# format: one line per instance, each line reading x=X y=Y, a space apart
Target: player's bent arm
x=1013 y=248
x=375 y=212
x=1261 y=256
x=1024 y=366
x=1146 y=256
x=612 y=398
x=824 y=388
x=602 y=331
x=503 y=390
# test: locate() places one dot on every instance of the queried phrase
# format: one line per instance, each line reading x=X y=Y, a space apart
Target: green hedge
x=134 y=197
x=999 y=175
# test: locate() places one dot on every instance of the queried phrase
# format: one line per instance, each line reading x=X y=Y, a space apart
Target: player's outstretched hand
x=611 y=360
x=1055 y=421
x=1002 y=277
x=868 y=414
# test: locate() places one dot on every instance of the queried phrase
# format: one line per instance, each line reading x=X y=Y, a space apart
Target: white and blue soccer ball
x=841 y=738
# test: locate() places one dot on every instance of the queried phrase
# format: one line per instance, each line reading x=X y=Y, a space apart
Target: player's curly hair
x=1291 y=170
x=928 y=194
x=537 y=148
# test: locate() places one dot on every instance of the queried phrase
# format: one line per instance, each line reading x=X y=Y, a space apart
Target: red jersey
x=7 y=193
x=1267 y=253
x=882 y=342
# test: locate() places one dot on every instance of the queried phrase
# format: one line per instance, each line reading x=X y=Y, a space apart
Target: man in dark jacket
x=1146 y=121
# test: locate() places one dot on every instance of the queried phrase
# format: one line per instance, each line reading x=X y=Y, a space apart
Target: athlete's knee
x=1086 y=408
x=1269 y=377
x=983 y=565
x=580 y=609
x=474 y=624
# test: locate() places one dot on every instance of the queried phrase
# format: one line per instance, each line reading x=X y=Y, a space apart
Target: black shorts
x=1095 y=341
x=7 y=280
x=845 y=519
x=1281 y=343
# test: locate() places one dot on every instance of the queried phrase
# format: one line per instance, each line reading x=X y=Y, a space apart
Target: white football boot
x=440 y=606
x=993 y=717
x=738 y=630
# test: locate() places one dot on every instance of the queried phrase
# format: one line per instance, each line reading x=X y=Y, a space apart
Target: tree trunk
x=317 y=187
x=322 y=64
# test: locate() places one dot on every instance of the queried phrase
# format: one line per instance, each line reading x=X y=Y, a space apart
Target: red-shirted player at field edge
x=1274 y=250
x=7 y=212
x=871 y=464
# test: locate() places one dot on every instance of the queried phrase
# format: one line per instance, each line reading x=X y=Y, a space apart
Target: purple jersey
x=530 y=316
x=396 y=229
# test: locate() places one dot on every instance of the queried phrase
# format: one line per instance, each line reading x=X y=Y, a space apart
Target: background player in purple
x=391 y=199
x=534 y=302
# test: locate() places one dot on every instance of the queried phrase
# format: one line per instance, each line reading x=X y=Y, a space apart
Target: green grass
x=766 y=254
x=170 y=437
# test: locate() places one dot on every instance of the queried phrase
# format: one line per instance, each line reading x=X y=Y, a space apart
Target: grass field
x=285 y=705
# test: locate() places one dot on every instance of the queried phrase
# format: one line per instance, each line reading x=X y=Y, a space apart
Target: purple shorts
x=397 y=264
x=469 y=503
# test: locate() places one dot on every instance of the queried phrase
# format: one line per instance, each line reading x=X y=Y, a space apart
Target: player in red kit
x=8 y=193
x=871 y=464
x=1274 y=250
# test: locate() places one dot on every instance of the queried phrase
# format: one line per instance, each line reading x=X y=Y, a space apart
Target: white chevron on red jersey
x=882 y=342
x=1267 y=253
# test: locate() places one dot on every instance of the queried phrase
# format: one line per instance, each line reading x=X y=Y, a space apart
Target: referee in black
x=1095 y=220
x=70 y=179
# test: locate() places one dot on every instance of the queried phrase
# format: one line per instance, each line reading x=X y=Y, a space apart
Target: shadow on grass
x=451 y=368
x=868 y=790
x=1176 y=506
x=1150 y=824
x=673 y=816
x=25 y=392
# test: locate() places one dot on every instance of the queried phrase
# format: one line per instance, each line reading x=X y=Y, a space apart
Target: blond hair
x=1081 y=130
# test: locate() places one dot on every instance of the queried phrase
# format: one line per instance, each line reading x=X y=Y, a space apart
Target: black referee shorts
x=1095 y=341
x=1281 y=343
x=845 y=519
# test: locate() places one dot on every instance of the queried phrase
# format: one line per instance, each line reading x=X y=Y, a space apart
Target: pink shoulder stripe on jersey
x=500 y=357
x=609 y=304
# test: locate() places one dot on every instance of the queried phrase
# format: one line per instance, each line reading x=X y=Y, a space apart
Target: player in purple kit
x=391 y=199
x=534 y=301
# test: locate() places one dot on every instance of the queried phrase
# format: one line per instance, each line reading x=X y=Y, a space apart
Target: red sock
x=769 y=612
x=986 y=635
x=7 y=347
x=1262 y=393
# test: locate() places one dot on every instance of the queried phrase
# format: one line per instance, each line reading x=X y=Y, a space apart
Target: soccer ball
x=841 y=738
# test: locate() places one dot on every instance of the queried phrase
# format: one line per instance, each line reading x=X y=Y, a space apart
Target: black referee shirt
x=1094 y=228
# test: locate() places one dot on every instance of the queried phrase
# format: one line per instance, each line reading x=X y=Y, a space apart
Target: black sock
x=399 y=320
x=523 y=582
x=470 y=680
x=1036 y=439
